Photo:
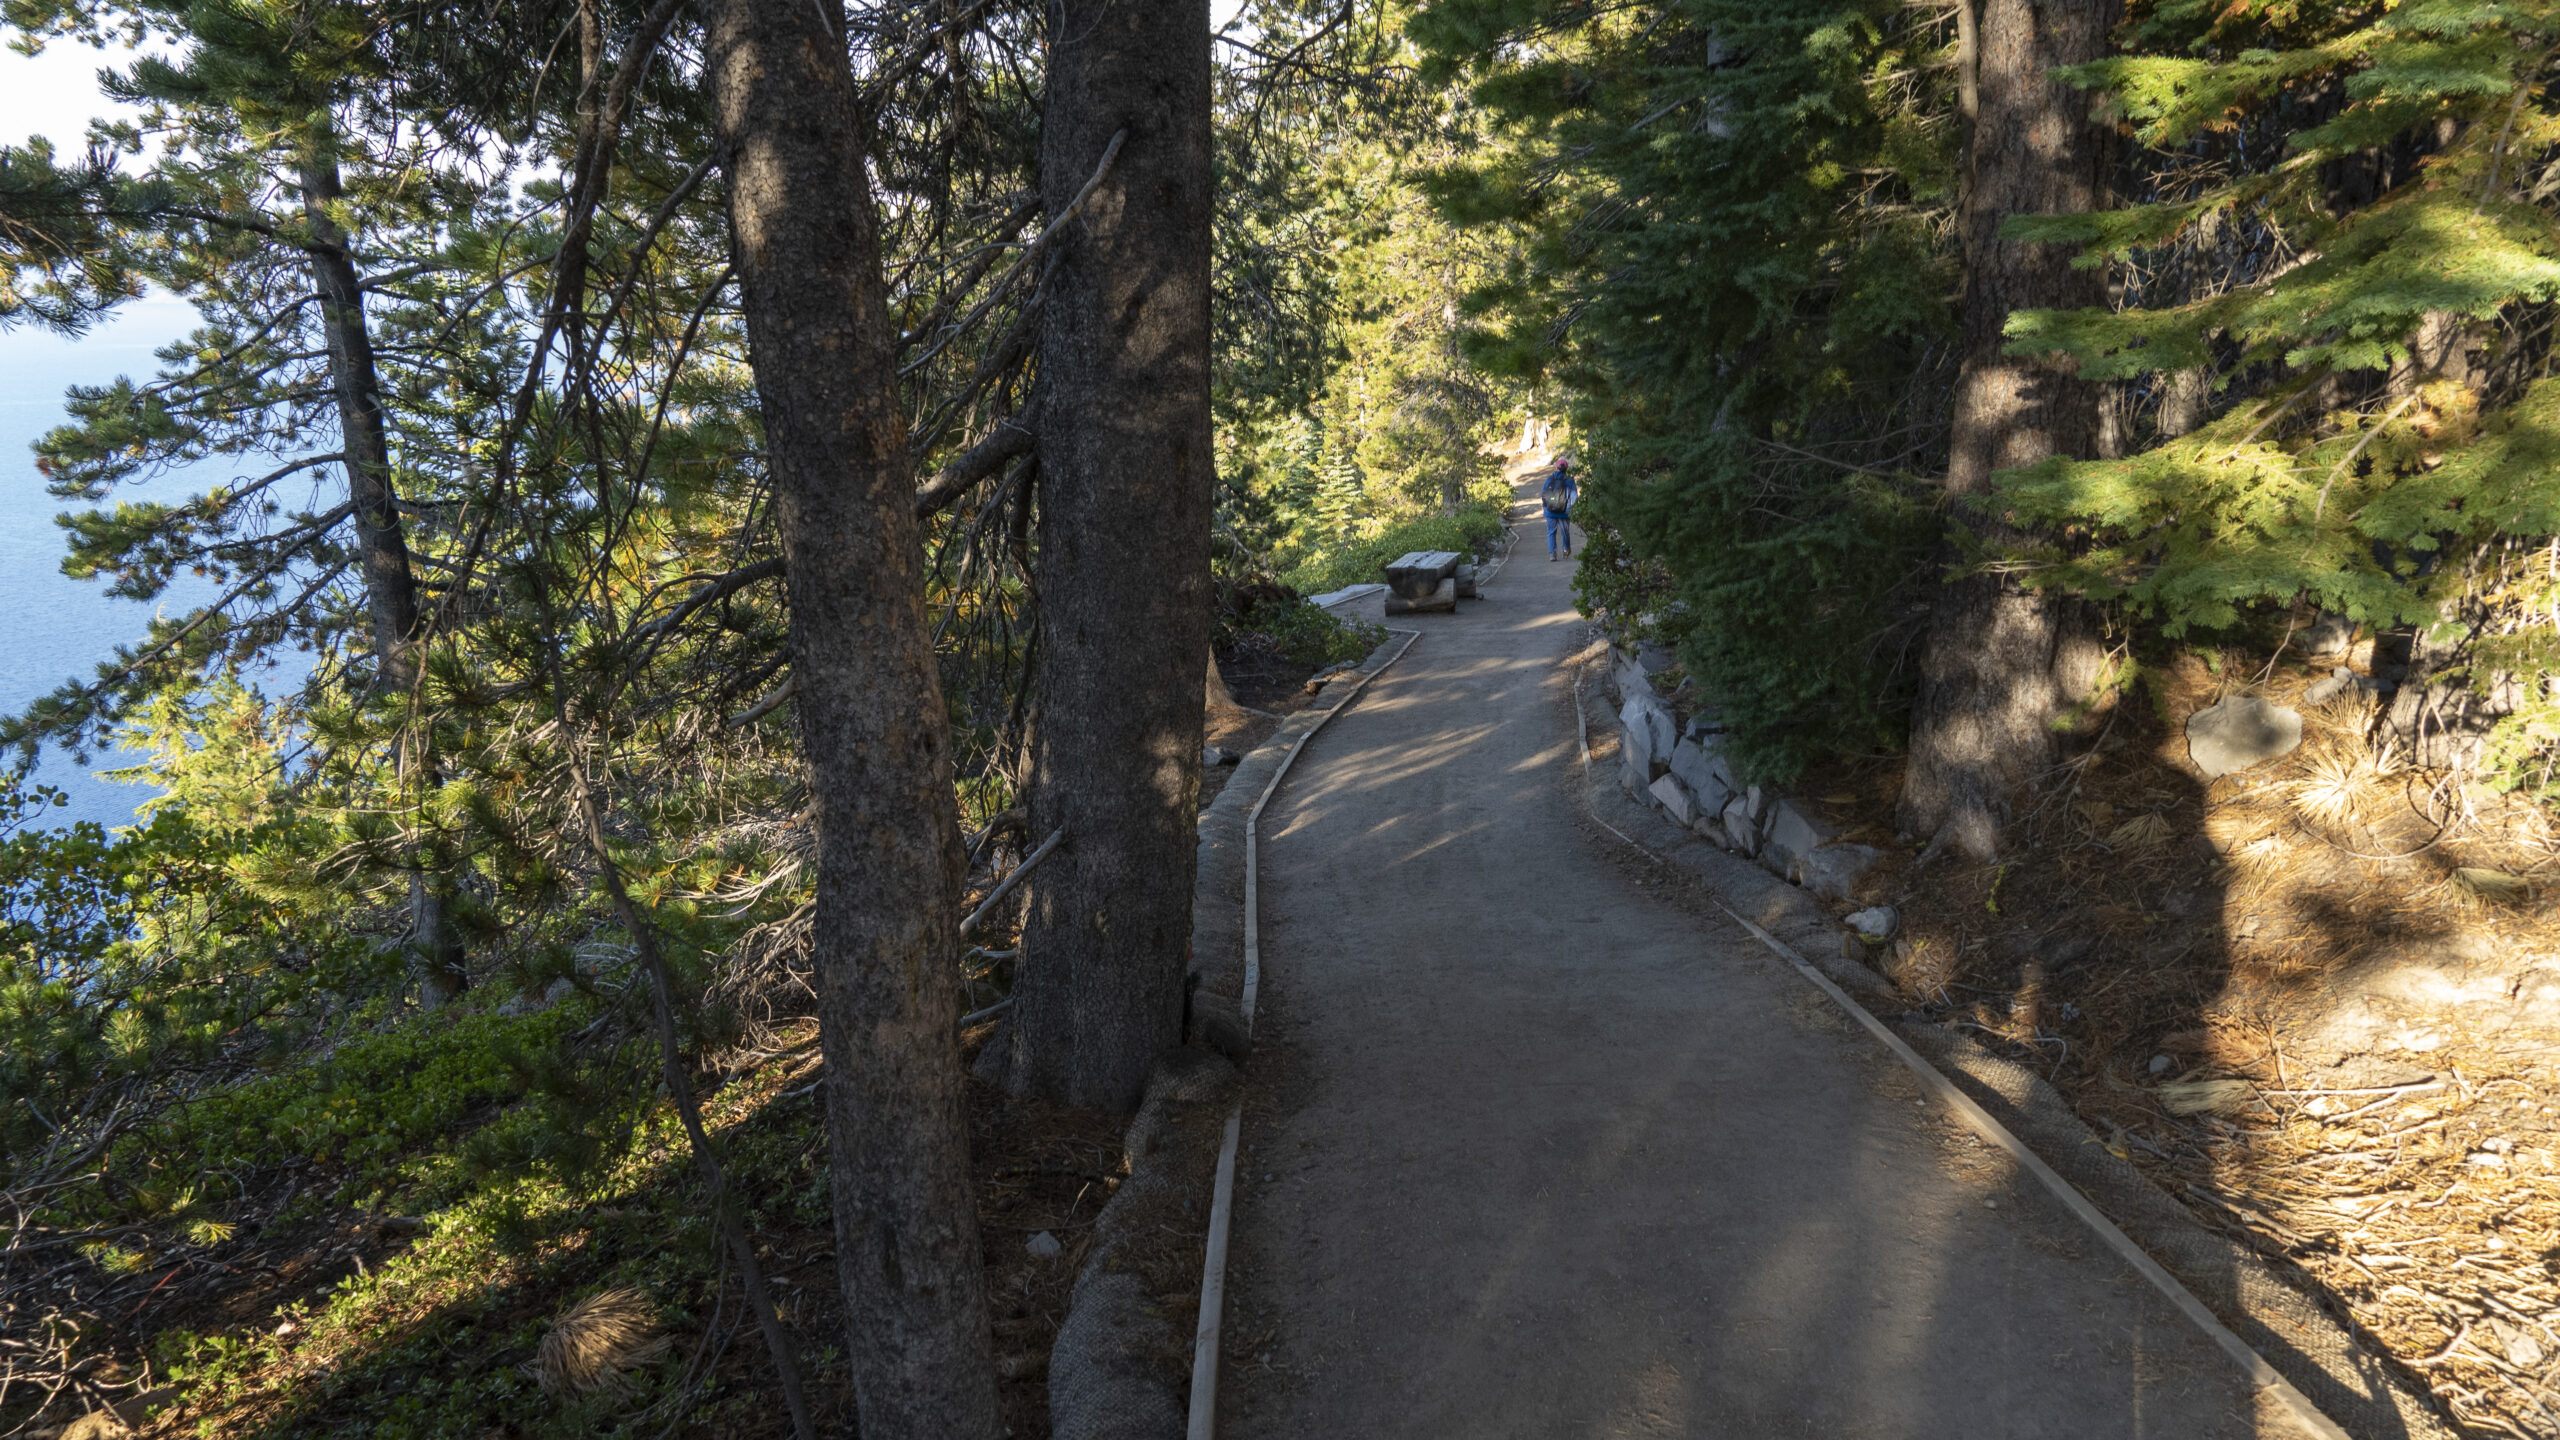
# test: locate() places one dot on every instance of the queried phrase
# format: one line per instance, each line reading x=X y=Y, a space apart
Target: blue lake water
x=53 y=628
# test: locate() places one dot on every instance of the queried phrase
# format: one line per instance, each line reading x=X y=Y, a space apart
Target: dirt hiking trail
x=1542 y=1150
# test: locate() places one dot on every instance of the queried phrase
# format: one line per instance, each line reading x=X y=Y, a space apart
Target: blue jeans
x=1559 y=527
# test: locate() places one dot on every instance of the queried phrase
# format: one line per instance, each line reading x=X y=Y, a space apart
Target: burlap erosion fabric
x=1107 y=1376
x=1121 y=1366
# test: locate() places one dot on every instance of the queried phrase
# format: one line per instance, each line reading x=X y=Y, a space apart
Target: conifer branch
x=2309 y=384
x=1031 y=252
x=1012 y=437
x=679 y=1083
x=2366 y=439
x=1004 y=887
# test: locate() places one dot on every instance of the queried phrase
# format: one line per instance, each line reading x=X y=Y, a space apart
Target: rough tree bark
x=382 y=543
x=871 y=718
x=1125 y=477
x=2000 y=662
x=2186 y=397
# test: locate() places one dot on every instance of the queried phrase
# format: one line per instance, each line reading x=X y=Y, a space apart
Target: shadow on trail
x=2157 y=942
x=1560 y=1160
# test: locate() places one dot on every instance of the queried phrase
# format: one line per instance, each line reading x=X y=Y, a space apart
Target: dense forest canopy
x=2343 y=206
x=655 y=429
x=477 y=355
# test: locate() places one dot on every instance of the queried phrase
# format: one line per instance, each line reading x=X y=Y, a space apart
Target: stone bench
x=1428 y=580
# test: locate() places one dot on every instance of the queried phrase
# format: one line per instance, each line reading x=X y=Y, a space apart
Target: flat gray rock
x=2240 y=732
x=1794 y=835
x=2328 y=635
x=1639 y=735
x=1876 y=923
x=1674 y=800
x=1666 y=731
x=1739 y=827
x=1833 y=871
x=1648 y=738
x=1629 y=676
x=1635 y=758
x=1706 y=773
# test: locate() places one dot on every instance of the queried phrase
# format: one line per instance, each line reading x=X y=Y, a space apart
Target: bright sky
x=55 y=94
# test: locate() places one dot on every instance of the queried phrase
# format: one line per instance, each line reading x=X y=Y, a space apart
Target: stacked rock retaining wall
x=1683 y=771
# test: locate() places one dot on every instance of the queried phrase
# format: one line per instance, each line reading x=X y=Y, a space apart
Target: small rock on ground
x=1877 y=922
x=2240 y=732
x=1833 y=871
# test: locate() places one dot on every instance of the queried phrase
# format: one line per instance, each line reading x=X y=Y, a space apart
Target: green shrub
x=1298 y=633
x=1475 y=526
x=1751 y=309
x=371 y=1102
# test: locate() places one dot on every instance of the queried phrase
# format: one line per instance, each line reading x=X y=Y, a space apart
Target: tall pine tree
x=1126 y=480
x=1999 y=662
x=2340 y=353
x=1735 y=217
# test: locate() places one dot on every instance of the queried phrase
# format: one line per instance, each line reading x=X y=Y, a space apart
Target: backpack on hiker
x=1557 y=494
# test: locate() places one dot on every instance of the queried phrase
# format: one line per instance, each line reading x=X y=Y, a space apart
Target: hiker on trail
x=1557 y=495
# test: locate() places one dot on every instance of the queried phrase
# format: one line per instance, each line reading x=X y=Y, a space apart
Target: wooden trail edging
x=1213 y=1270
x=2271 y=1385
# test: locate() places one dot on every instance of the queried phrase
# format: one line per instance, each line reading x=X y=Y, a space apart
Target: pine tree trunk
x=2185 y=399
x=1125 y=480
x=872 y=722
x=382 y=545
x=2001 y=662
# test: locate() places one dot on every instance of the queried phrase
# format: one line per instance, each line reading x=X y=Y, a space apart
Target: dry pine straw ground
x=1040 y=1168
x=2146 y=915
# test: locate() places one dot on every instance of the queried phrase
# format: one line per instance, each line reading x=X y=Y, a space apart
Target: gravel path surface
x=1538 y=1149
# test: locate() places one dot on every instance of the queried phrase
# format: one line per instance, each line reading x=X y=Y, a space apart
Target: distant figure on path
x=1557 y=495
